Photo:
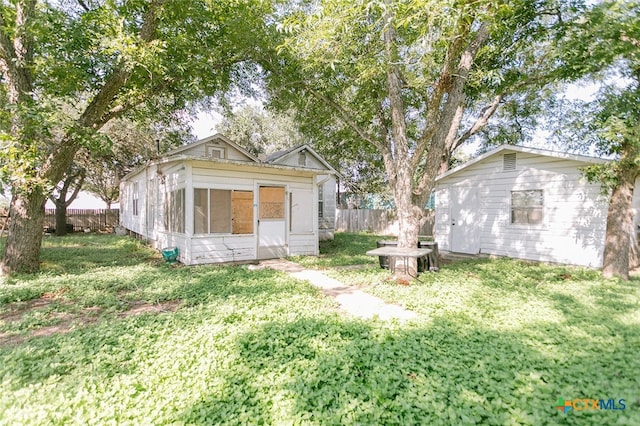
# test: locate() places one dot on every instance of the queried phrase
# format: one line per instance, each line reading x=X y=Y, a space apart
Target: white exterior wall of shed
x=574 y=211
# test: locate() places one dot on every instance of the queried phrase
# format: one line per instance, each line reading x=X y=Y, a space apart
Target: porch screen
x=174 y=211
x=222 y=211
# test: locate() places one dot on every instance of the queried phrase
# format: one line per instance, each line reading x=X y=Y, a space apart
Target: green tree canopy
x=410 y=82
x=261 y=131
x=603 y=48
x=105 y=59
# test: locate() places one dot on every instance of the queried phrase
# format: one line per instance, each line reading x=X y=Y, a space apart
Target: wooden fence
x=102 y=220
x=384 y=222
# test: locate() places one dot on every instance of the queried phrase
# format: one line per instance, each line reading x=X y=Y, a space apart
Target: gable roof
x=213 y=138
x=523 y=149
x=281 y=155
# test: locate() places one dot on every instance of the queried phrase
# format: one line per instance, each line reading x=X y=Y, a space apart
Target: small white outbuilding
x=523 y=203
x=217 y=203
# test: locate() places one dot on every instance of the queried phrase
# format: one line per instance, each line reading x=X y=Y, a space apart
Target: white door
x=272 y=235
x=465 y=220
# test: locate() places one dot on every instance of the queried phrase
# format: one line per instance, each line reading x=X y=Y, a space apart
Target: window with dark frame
x=134 y=199
x=527 y=207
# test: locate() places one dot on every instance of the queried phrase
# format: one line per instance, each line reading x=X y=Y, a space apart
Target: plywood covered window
x=174 y=211
x=271 y=202
x=222 y=211
x=527 y=207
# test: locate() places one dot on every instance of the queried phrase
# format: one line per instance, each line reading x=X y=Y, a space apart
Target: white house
x=523 y=203
x=218 y=203
x=327 y=183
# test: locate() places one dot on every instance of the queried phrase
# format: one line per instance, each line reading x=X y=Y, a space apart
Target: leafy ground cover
x=141 y=342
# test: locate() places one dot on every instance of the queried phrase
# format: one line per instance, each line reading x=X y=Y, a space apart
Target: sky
x=85 y=200
x=205 y=124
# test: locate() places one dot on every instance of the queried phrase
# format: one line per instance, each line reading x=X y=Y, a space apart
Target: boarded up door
x=271 y=222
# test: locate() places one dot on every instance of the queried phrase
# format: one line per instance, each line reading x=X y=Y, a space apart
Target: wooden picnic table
x=404 y=253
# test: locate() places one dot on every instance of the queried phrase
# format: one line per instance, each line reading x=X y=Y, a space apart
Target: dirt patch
x=139 y=307
x=68 y=321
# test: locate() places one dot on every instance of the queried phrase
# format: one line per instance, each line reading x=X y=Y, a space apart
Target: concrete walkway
x=351 y=300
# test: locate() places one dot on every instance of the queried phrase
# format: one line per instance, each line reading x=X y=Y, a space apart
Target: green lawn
x=109 y=334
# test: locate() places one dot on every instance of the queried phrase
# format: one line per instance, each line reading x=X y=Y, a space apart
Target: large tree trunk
x=619 y=228
x=74 y=178
x=22 y=248
x=409 y=227
x=61 y=219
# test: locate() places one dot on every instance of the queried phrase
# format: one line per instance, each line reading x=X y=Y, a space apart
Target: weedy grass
x=495 y=342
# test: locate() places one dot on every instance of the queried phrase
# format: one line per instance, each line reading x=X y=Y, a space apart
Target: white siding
x=303 y=245
x=292 y=159
x=218 y=248
x=574 y=212
x=230 y=153
x=131 y=221
x=167 y=240
x=327 y=223
x=204 y=177
x=228 y=248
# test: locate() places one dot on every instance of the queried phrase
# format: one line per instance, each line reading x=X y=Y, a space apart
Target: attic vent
x=215 y=151
x=509 y=161
x=302 y=159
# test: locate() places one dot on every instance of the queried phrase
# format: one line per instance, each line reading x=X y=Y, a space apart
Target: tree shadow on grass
x=315 y=371
x=225 y=293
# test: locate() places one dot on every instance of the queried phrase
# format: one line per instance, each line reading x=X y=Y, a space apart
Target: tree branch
x=634 y=42
x=16 y=56
x=480 y=122
x=442 y=86
x=118 y=78
x=59 y=160
x=449 y=123
x=80 y=176
x=345 y=115
x=394 y=90
x=84 y=6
